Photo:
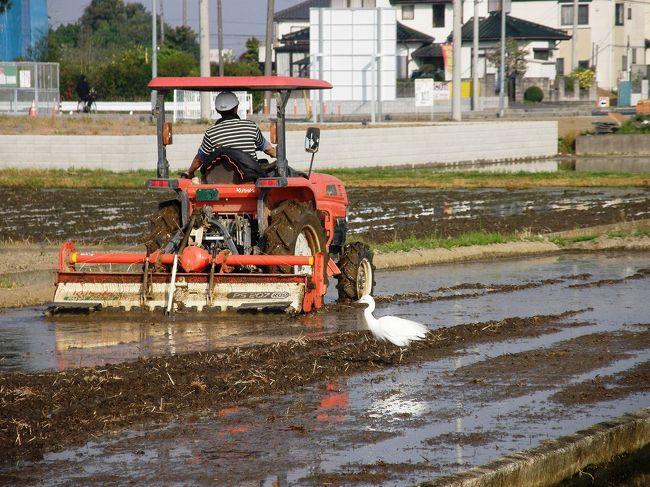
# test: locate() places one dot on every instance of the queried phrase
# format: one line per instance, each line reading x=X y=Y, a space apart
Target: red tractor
x=226 y=242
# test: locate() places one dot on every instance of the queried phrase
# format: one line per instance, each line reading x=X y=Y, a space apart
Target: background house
x=611 y=37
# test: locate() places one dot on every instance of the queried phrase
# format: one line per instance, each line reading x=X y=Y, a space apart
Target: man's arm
x=196 y=164
x=264 y=145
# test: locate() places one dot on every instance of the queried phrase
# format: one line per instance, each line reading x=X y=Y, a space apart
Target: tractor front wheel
x=357 y=276
x=294 y=229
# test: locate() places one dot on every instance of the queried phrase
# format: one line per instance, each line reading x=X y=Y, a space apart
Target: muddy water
x=380 y=214
x=393 y=427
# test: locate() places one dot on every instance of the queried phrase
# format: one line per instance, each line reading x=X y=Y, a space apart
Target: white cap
x=226 y=100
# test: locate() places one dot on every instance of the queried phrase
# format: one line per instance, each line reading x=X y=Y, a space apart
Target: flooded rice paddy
x=579 y=356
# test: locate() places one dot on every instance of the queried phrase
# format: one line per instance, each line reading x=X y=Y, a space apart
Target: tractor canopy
x=248 y=83
x=282 y=85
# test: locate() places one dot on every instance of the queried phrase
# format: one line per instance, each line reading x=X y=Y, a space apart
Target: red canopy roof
x=250 y=83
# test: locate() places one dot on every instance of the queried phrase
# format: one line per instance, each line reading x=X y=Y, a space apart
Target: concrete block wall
x=440 y=143
x=607 y=144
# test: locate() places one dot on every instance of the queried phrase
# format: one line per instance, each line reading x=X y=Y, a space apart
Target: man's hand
x=271 y=151
x=185 y=175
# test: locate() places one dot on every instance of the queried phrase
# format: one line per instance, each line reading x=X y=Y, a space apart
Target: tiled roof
x=300 y=11
x=411 y=2
x=300 y=37
x=490 y=30
x=431 y=50
x=406 y=34
x=296 y=36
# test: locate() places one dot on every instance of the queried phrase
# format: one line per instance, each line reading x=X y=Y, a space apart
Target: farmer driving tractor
x=230 y=145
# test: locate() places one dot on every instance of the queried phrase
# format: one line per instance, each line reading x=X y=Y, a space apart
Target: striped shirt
x=232 y=132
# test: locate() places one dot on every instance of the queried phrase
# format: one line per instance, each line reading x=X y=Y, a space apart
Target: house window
x=559 y=66
x=407 y=12
x=541 y=54
x=619 y=14
x=567 y=15
x=629 y=13
x=583 y=64
x=438 y=15
x=624 y=63
x=633 y=56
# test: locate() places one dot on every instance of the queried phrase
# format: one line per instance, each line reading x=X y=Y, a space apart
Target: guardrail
x=116 y=106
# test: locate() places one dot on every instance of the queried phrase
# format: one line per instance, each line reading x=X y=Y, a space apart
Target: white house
x=611 y=34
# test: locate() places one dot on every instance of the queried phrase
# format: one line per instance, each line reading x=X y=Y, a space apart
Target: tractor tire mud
x=288 y=221
x=163 y=226
x=357 y=272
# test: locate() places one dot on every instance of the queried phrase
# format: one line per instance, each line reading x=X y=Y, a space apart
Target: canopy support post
x=162 y=169
x=282 y=99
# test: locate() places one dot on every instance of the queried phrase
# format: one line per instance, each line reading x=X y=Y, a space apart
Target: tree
x=98 y=12
x=515 y=57
x=110 y=46
x=183 y=38
x=252 y=53
x=172 y=62
x=4 y=5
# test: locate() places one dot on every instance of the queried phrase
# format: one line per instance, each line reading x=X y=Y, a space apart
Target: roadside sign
x=423 y=92
x=441 y=90
x=603 y=101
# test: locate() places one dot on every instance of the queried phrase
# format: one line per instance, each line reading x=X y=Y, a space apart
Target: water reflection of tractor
x=230 y=240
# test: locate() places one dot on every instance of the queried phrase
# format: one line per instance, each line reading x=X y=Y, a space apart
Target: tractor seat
x=231 y=166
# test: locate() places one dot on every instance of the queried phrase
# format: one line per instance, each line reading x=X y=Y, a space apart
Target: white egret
x=394 y=329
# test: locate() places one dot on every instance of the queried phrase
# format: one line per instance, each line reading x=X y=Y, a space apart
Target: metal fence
x=25 y=83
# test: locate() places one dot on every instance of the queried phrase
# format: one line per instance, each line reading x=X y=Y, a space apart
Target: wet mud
x=43 y=412
x=379 y=215
x=518 y=357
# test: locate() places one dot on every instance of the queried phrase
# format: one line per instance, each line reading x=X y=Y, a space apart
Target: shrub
x=534 y=94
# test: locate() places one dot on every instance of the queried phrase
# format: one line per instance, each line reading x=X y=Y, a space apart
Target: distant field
x=365 y=177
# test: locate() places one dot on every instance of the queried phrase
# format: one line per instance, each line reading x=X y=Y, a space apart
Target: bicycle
x=89 y=105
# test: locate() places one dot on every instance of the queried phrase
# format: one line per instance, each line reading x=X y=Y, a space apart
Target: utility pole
x=220 y=37
x=184 y=13
x=162 y=21
x=475 y=106
x=154 y=51
x=574 y=50
x=379 y=63
x=268 y=61
x=502 y=67
x=455 y=77
x=204 y=49
x=574 y=56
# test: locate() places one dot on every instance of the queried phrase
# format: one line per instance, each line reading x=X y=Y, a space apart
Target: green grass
x=74 y=178
x=6 y=283
x=642 y=232
x=362 y=177
x=428 y=177
x=464 y=240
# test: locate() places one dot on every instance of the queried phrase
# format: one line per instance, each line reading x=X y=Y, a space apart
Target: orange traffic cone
x=32 y=110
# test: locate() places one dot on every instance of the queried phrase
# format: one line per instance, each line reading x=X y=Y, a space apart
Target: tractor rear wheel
x=163 y=225
x=294 y=229
x=357 y=276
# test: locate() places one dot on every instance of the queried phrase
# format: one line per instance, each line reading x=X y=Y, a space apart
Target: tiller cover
x=198 y=281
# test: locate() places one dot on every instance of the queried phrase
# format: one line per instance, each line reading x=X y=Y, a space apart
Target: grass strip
x=642 y=232
x=430 y=178
x=434 y=242
x=74 y=178
x=364 y=177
